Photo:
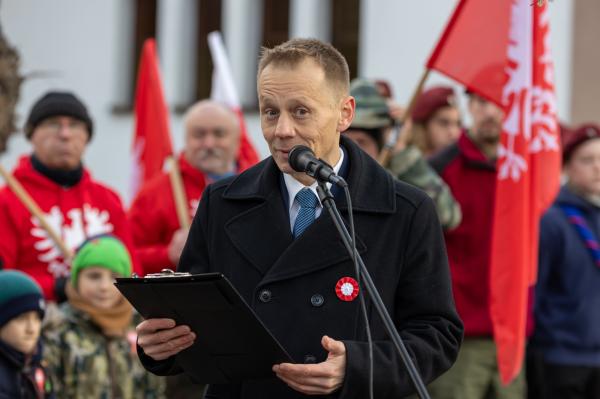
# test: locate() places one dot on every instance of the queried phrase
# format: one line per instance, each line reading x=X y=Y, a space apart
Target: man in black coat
x=253 y=229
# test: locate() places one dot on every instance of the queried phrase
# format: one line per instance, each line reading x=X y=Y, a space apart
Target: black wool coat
x=242 y=230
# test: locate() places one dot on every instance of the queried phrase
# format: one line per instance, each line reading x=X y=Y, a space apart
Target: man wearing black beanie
x=59 y=129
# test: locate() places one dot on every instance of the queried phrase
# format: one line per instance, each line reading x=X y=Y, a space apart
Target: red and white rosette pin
x=346 y=289
x=40 y=379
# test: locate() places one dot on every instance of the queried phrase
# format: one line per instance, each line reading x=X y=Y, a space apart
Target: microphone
x=303 y=159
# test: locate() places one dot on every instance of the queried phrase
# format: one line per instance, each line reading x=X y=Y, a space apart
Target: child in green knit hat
x=22 y=308
x=91 y=346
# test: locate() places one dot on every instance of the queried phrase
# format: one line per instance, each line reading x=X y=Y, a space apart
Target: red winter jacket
x=84 y=210
x=153 y=217
x=472 y=179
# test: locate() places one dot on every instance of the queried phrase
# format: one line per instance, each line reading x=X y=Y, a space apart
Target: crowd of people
x=423 y=221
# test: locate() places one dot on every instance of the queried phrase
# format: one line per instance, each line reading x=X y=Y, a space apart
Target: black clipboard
x=232 y=344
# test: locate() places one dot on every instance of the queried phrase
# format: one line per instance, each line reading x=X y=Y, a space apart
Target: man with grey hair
x=212 y=137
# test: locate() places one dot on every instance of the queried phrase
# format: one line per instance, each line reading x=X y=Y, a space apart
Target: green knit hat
x=102 y=251
x=19 y=293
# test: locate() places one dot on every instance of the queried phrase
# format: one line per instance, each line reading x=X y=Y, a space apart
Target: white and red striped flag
x=223 y=91
x=501 y=51
x=152 y=138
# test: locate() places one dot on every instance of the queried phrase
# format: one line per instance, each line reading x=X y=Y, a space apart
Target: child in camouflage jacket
x=91 y=344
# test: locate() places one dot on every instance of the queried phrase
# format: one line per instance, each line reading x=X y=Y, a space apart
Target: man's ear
x=347 y=107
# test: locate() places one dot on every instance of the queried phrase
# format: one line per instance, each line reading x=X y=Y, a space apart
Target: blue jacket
x=567 y=304
x=18 y=377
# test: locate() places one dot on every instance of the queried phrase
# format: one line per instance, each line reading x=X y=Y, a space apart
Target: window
x=209 y=19
x=145 y=27
x=276 y=17
x=345 y=17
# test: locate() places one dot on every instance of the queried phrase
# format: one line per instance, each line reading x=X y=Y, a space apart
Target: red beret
x=582 y=134
x=565 y=132
x=431 y=100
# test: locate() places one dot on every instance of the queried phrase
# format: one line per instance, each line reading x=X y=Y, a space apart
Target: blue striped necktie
x=308 y=201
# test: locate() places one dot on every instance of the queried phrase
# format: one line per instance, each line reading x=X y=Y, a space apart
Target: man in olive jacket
x=246 y=228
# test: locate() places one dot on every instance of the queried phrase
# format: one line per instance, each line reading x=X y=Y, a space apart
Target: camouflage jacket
x=85 y=363
x=411 y=167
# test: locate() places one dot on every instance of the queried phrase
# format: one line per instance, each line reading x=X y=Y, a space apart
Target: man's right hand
x=161 y=338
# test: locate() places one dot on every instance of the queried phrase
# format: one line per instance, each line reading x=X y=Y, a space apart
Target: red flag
x=500 y=50
x=472 y=49
x=152 y=140
x=223 y=91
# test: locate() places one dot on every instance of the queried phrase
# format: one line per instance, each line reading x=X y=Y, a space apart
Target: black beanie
x=56 y=103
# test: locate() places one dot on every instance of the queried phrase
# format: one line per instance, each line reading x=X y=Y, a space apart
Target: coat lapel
x=262 y=233
x=319 y=247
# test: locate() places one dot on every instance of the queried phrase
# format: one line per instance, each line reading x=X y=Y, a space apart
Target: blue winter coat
x=18 y=377
x=567 y=304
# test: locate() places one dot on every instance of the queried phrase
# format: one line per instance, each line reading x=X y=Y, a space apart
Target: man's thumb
x=332 y=346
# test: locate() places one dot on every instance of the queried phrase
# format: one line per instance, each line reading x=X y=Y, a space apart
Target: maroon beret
x=582 y=134
x=565 y=132
x=431 y=100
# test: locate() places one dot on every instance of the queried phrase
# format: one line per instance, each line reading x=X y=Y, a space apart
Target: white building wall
x=81 y=46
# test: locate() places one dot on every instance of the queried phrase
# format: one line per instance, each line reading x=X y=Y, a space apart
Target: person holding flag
x=469 y=169
x=212 y=140
x=504 y=171
x=216 y=146
x=73 y=206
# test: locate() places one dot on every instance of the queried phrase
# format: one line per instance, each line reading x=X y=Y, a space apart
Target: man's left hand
x=317 y=379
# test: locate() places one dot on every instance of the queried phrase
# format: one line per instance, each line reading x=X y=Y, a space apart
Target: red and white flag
x=223 y=91
x=152 y=139
x=501 y=51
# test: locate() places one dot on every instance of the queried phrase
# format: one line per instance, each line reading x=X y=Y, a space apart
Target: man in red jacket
x=212 y=137
x=76 y=206
x=469 y=168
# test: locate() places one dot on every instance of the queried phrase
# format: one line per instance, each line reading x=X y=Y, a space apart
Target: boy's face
x=583 y=168
x=23 y=332
x=96 y=284
x=443 y=128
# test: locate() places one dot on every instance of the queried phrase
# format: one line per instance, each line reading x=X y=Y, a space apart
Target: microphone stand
x=327 y=200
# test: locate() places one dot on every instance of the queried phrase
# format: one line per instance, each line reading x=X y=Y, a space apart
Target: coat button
x=317 y=300
x=265 y=296
x=310 y=359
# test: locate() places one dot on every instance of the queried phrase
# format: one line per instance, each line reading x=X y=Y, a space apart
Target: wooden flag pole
x=181 y=202
x=35 y=210
x=386 y=152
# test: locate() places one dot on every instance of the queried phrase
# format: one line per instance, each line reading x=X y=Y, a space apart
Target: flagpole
x=386 y=152
x=179 y=196
x=35 y=210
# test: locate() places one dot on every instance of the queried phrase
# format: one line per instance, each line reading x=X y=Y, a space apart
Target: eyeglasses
x=55 y=125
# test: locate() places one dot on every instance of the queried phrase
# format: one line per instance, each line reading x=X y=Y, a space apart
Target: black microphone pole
x=328 y=202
